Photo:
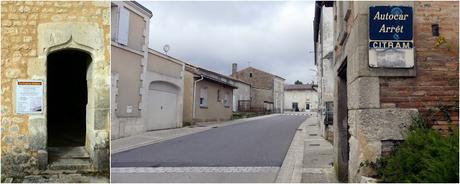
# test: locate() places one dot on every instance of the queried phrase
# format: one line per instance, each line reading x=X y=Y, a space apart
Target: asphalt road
x=257 y=143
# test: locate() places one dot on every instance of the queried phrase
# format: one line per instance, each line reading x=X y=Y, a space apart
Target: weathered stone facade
x=376 y=105
x=31 y=30
x=324 y=48
x=266 y=89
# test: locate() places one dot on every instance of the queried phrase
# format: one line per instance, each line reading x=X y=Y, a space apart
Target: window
x=114 y=18
x=218 y=95
x=307 y=106
x=329 y=113
x=204 y=97
x=123 y=26
x=250 y=74
x=226 y=100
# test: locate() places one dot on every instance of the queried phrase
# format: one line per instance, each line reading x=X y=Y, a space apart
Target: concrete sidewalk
x=146 y=138
x=309 y=158
x=317 y=156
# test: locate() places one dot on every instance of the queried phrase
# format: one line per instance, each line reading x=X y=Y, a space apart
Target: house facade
x=147 y=86
x=53 y=51
x=378 y=89
x=324 y=49
x=207 y=95
x=300 y=98
x=241 y=96
x=267 y=91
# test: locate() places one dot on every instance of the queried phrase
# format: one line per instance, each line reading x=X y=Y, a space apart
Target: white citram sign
x=391 y=37
x=29 y=96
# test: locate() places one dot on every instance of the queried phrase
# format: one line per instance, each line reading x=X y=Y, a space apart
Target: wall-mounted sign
x=29 y=96
x=391 y=37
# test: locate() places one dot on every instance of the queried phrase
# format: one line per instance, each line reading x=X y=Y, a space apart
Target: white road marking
x=193 y=169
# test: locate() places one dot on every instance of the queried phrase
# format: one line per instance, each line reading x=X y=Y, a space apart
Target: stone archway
x=85 y=42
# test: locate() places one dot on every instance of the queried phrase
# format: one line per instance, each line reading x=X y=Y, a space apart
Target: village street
x=248 y=151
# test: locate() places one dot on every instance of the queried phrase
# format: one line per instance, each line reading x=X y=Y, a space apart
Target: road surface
x=251 y=151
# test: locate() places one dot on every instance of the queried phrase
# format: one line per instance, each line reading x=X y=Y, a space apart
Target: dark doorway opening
x=295 y=107
x=342 y=123
x=67 y=96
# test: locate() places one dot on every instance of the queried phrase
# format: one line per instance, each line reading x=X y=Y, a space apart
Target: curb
x=291 y=169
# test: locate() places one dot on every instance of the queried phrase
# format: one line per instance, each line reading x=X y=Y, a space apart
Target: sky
x=274 y=36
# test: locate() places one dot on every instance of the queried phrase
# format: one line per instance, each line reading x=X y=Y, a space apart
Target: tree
x=297 y=82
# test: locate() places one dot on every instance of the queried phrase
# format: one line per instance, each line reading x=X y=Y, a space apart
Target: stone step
x=67 y=152
x=82 y=164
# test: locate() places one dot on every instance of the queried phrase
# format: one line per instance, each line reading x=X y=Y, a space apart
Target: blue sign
x=392 y=23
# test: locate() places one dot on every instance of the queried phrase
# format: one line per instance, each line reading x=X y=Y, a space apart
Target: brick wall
x=436 y=83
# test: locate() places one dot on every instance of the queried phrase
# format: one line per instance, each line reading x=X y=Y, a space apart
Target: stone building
x=323 y=36
x=207 y=95
x=300 y=98
x=55 y=70
x=147 y=86
x=379 y=88
x=267 y=91
x=241 y=94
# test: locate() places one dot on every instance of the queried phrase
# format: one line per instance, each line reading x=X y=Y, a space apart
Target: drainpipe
x=194 y=98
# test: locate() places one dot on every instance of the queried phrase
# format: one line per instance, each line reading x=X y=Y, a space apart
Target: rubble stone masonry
x=23 y=137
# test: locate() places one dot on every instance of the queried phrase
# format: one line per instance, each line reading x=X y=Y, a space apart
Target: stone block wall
x=259 y=79
x=436 y=82
x=382 y=101
x=24 y=56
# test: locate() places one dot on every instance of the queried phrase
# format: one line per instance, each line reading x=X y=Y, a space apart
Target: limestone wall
x=301 y=97
x=30 y=30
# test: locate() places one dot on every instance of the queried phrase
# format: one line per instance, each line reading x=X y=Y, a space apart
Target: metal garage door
x=162 y=106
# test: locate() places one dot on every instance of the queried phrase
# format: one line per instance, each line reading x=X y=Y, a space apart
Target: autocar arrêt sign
x=391 y=36
x=390 y=23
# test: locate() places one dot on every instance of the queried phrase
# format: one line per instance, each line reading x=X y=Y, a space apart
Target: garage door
x=162 y=107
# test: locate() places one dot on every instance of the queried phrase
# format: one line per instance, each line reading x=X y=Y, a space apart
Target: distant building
x=208 y=96
x=267 y=91
x=300 y=97
x=241 y=96
x=324 y=51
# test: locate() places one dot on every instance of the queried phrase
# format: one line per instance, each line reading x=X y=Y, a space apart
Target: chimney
x=234 y=69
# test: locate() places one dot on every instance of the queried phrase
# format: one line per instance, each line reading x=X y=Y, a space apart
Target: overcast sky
x=276 y=37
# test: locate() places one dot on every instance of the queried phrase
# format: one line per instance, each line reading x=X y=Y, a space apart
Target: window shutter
x=123 y=26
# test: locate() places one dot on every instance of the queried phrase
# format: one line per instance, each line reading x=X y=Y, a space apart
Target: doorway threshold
x=68 y=158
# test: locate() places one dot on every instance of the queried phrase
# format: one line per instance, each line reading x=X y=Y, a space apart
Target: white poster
x=29 y=96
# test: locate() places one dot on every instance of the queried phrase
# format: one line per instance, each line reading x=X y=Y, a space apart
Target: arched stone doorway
x=67 y=93
x=73 y=63
x=162 y=105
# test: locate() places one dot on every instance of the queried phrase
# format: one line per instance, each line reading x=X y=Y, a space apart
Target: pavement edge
x=291 y=169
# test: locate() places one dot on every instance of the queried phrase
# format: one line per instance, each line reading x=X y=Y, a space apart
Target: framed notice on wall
x=391 y=37
x=29 y=96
